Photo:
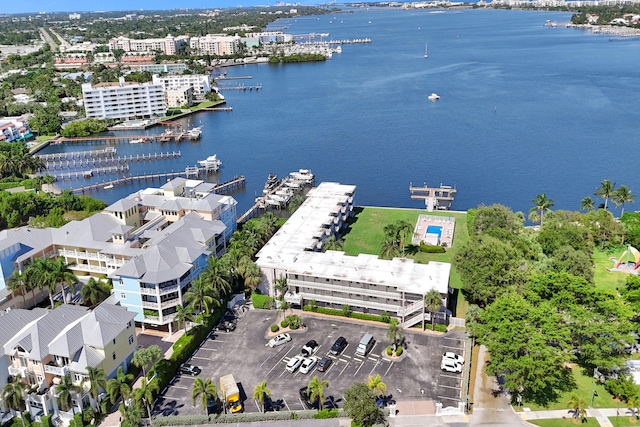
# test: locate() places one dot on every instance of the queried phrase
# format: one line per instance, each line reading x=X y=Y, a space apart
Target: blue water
x=435 y=229
x=524 y=110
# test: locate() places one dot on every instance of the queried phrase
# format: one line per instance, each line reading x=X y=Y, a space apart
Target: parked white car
x=456 y=357
x=450 y=365
x=294 y=363
x=307 y=365
x=279 y=340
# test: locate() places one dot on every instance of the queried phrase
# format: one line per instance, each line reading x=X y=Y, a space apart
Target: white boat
x=210 y=163
x=434 y=97
x=195 y=133
x=302 y=175
x=137 y=141
x=426 y=49
x=108 y=187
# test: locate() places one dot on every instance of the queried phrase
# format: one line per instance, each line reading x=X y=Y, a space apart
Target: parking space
x=244 y=354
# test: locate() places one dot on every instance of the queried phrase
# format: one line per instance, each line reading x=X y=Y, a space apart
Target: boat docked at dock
x=137 y=141
x=302 y=175
x=195 y=133
x=211 y=163
x=433 y=97
x=272 y=182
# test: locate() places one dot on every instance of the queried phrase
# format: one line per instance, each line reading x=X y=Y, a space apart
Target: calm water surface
x=524 y=110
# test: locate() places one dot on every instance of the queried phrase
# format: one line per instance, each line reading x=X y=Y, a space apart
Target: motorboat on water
x=211 y=163
x=195 y=133
x=108 y=187
x=303 y=175
x=272 y=182
x=433 y=97
x=137 y=141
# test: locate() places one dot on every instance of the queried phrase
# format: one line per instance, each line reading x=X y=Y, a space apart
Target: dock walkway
x=236 y=182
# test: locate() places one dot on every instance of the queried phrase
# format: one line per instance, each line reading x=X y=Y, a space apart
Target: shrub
x=313 y=305
x=431 y=249
x=45 y=421
x=385 y=317
x=622 y=388
x=326 y=413
x=389 y=351
x=275 y=328
x=294 y=321
x=333 y=312
x=399 y=351
x=346 y=310
x=284 y=323
x=440 y=328
x=261 y=301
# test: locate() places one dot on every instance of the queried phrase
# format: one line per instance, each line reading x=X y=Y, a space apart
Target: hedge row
x=261 y=301
x=341 y=313
x=431 y=249
x=247 y=417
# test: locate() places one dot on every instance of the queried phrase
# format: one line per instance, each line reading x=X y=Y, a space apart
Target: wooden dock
x=253 y=210
x=217 y=109
x=240 y=87
x=232 y=184
x=88 y=162
x=89 y=154
x=435 y=198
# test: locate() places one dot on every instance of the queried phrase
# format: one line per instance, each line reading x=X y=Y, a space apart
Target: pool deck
x=447 y=225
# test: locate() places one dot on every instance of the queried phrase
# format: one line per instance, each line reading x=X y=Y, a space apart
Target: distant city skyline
x=139 y=5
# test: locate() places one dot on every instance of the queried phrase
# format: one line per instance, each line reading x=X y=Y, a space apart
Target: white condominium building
x=124 y=100
x=332 y=279
x=215 y=44
x=199 y=82
x=168 y=45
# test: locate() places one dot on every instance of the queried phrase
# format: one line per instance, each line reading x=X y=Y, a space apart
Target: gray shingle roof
x=121 y=205
x=174 y=183
x=88 y=356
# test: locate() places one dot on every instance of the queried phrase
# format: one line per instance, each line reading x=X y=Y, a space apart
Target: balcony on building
x=52 y=368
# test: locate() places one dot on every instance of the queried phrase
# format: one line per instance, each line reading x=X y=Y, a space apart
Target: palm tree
x=269 y=223
x=216 y=273
x=65 y=392
x=403 y=228
x=586 y=204
x=605 y=191
x=146 y=356
x=394 y=332
x=252 y=275
x=144 y=394
x=315 y=389
x=281 y=286
x=433 y=302
x=40 y=270
x=578 y=407
x=131 y=415
x=12 y=395
x=206 y=390
x=94 y=292
x=541 y=204
x=295 y=203
x=389 y=248
x=19 y=281
x=184 y=315
x=201 y=294
x=119 y=386
x=331 y=243
x=97 y=379
x=376 y=385
x=621 y=196
x=260 y=392
x=62 y=274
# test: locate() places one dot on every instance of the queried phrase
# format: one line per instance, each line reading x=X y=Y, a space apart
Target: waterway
x=524 y=109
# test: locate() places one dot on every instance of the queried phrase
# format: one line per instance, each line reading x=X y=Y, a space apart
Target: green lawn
x=365 y=234
x=624 y=420
x=583 y=389
x=565 y=422
x=603 y=278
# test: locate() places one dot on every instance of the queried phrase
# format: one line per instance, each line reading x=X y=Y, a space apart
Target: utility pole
x=593 y=385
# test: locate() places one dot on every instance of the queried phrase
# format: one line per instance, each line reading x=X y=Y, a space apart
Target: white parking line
x=389 y=368
x=357 y=360
x=286 y=404
x=457 y=377
x=276 y=365
x=449 y=398
x=345 y=367
x=373 y=359
x=456 y=348
x=348 y=357
x=358 y=370
x=201 y=358
x=446 y=386
x=216 y=341
x=345 y=361
x=374 y=366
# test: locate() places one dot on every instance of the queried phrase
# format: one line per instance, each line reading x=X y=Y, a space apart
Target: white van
x=365 y=345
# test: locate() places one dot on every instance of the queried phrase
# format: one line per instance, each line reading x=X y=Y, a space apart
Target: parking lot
x=244 y=354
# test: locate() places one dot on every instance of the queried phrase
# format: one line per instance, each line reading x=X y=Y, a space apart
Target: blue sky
x=84 y=5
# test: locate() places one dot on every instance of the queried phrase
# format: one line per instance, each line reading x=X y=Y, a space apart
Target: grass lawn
x=583 y=389
x=564 y=422
x=603 y=278
x=624 y=420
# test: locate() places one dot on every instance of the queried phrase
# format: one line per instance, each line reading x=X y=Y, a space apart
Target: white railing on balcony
x=148 y=291
x=168 y=289
x=13 y=371
x=150 y=304
x=171 y=303
x=411 y=308
x=56 y=370
x=87 y=267
x=90 y=255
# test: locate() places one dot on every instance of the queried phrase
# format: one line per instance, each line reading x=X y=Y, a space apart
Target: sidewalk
x=600 y=414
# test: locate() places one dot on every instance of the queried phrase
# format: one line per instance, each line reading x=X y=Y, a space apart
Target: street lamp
x=593 y=385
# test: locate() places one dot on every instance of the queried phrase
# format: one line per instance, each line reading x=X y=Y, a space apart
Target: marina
x=211 y=163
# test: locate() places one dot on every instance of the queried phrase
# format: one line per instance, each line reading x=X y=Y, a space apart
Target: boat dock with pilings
x=435 y=198
x=223 y=188
x=71 y=162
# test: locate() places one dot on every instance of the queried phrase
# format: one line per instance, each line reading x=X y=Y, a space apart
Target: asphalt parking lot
x=244 y=354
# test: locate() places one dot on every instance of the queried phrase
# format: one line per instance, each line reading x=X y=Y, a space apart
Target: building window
x=123 y=295
x=114 y=340
x=130 y=339
x=78 y=377
x=128 y=324
x=35 y=362
x=113 y=356
x=121 y=282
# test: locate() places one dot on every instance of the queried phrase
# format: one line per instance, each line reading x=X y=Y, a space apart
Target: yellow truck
x=229 y=389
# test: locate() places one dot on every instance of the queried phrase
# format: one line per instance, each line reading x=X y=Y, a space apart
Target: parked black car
x=227 y=326
x=309 y=348
x=189 y=369
x=324 y=364
x=339 y=345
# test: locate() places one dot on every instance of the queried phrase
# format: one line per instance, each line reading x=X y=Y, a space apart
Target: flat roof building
x=123 y=100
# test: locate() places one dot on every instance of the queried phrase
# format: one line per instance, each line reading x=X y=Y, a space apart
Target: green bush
x=389 y=351
x=45 y=421
x=275 y=328
x=385 y=317
x=440 y=328
x=399 y=351
x=262 y=301
x=346 y=310
x=294 y=321
x=326 y=413
x=431 y=249
x=284 y=323
x=622 y=388
x=333 y=312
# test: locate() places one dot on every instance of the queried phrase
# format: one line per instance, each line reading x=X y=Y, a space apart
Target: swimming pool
x=435 y=229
